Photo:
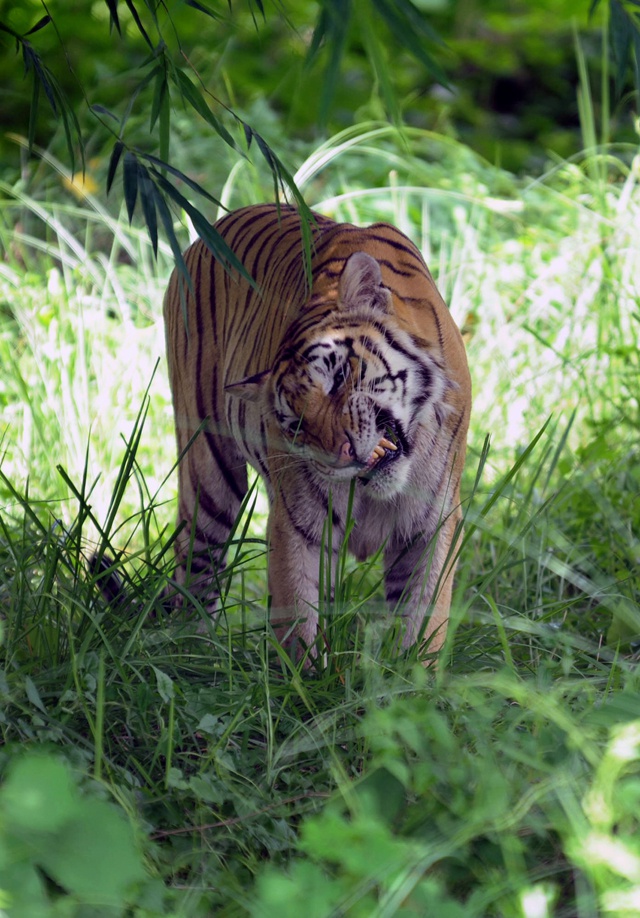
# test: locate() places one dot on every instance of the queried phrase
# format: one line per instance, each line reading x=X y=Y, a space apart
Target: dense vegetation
x=151 y=768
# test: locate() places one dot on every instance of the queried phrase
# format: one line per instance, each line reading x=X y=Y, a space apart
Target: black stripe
x=309 y=537
x=228 y=476
x=216 y=513
x=200 y=565
x=455 y=431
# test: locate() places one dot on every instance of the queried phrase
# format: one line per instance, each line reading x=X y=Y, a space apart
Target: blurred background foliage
x=499 y=76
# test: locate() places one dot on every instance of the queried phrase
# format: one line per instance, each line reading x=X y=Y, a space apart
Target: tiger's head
x=350 y=395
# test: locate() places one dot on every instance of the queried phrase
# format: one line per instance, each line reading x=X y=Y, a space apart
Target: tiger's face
x=349 y=397
x=350 y=401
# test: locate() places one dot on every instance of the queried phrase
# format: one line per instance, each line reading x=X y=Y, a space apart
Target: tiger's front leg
x=419 y=576
x=295 y=559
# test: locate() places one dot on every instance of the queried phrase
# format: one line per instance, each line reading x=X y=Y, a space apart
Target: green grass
x=503 y=783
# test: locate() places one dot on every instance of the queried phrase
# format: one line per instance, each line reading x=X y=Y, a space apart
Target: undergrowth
x=158 y=763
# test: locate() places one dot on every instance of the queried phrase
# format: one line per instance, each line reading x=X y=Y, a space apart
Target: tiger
x=335 y=370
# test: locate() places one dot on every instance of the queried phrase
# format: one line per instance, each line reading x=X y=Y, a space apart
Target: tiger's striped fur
x=363 y=378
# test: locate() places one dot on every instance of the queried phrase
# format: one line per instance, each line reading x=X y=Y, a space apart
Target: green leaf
x=331 y=29
x=198 y=103
x=40 y=24
x=147 y=199
x=165 y=124
x=31 y=60
x=160 y=89
x=620 y=30
x=167 y=222
x=94 y=856
x=69 y=120
x=38 y=794
x=618 y=709
x=33 y=695
x=134 y=95
x=203 y=9
x=102 y=110
x=164 y=685
x=381 y=793
x=281 y=177
x=33 y=113
x=411 y=30
x=165 y=166
x=138 y=22
x=130 y=175
x=205 y=230
x=22 y=892
x=113 y=14
x=381 y=68
x=57 y=101
x=10 y=31
x=636 y=56
x=118 y=147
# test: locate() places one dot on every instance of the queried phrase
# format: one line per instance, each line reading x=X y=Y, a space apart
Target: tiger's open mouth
x=391 y=445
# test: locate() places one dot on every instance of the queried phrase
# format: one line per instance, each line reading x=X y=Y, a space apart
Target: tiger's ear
x=251 y=388
x=361 y=285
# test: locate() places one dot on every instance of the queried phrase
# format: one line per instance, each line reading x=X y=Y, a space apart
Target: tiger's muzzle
x=391 y=446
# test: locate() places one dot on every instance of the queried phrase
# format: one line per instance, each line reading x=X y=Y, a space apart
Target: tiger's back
x=364 y=376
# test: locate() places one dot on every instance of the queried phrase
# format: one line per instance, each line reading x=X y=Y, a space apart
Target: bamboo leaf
x=10 y=31
x=134 y=95
x=61 y=109
x=167 y=222
x=40 y=24
x=113 y=15
x=147 y=199
x=160 y=89
x=138 y=22
x=165 y=166
x=66 y=114
x=271 y=160
x=319 y=33
x=101 y=110
x=332 y=29
x=204 y=9
x=33 y=112
x=165 y=127
x=381 y=69
x=620 y=30
x=31 y=59
x=197 y=102
x=204 y=228
x=130 y=176
x=70 y=120
x=152 y=9
x=636 y=56
x=411 y=30
x=281 y=177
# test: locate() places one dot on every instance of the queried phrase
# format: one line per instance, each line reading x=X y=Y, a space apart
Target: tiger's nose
x=346 y=454
x=350 y=454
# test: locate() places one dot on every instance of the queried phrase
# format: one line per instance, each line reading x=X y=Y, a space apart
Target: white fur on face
x=370 y=381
